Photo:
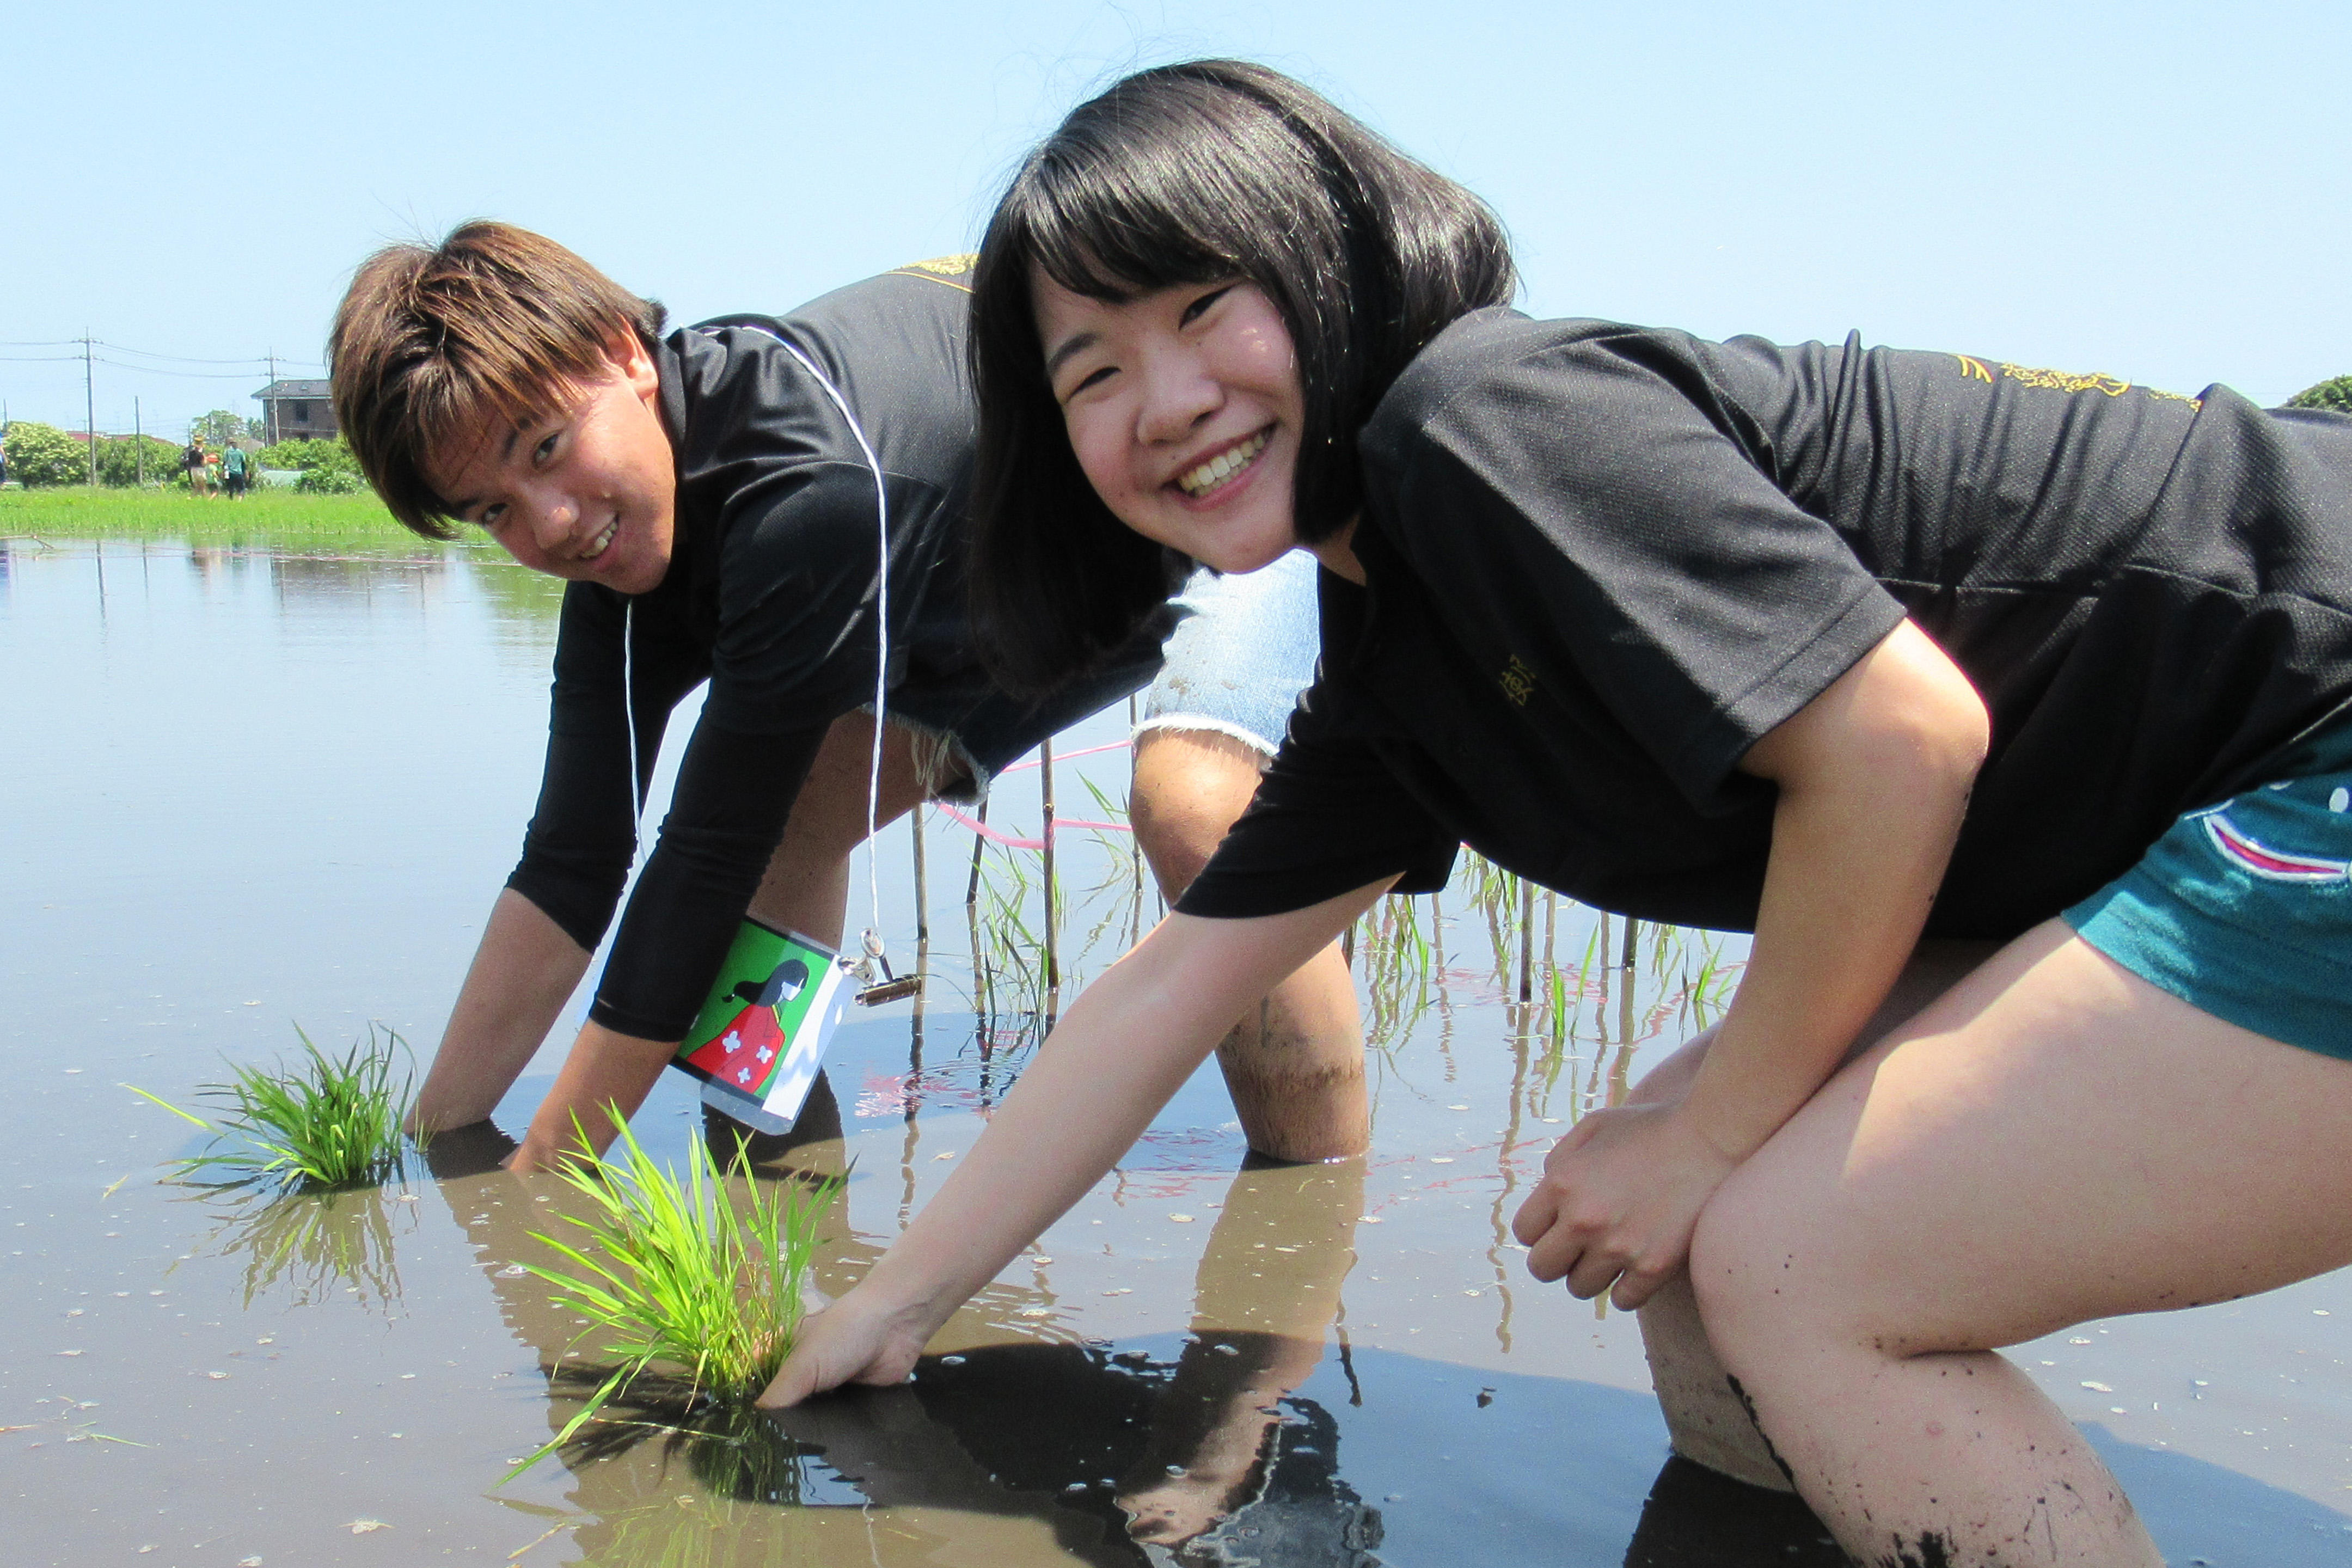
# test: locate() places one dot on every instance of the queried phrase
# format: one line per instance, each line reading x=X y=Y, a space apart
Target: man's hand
x=1618 y=1198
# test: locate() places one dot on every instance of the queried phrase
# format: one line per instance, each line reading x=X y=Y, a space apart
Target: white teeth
x=1208 y=475
x=604 y=541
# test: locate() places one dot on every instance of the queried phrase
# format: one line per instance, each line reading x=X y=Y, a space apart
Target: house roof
x=283 y=389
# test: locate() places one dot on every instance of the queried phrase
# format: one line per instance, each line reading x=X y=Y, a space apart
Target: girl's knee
x=1752 y=1294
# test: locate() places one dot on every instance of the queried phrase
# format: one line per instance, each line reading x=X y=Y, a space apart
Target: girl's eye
x=490 y=515
x=1193 y=312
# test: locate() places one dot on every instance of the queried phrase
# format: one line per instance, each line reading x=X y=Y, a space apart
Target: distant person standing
x=193 y=460
x=233 y=462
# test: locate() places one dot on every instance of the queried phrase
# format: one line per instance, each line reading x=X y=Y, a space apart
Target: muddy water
x=243 y=793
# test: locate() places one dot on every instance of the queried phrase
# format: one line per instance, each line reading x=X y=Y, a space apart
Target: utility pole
x=139 y=443
x=268 y=409
x=89 y=404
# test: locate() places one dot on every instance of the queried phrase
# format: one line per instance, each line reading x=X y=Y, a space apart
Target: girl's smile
x=1183 y=410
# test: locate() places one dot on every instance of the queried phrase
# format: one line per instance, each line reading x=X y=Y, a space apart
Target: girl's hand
x=852 y=1341
x=1618 y=1198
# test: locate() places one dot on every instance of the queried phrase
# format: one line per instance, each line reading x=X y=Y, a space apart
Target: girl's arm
x=1873 y=778
x=1124 y=1047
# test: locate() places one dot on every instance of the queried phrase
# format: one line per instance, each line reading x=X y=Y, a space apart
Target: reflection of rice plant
x=685 y=1276
x=729 y=1445
x=331 y=1122
x=1014 y=978
x=1398 y=963
x=316 y=1244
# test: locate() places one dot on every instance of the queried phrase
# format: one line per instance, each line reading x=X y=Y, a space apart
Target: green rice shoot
x=325 y=1123
x=686 y=1275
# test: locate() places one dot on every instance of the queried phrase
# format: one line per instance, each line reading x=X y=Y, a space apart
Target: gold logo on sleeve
x=1519 y=681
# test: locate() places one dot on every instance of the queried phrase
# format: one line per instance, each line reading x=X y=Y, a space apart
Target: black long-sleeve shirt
x=771 y=596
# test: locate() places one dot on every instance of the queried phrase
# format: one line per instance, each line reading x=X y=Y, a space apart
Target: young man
x=776 y=506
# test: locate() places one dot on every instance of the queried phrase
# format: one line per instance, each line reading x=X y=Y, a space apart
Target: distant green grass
x=267 y=519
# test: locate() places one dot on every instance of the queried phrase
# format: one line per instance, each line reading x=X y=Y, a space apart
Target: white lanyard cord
x=881 y=621
x=629 y=717
x=881 y=638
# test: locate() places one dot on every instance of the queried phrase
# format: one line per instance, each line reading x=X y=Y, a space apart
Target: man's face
x=587 y=491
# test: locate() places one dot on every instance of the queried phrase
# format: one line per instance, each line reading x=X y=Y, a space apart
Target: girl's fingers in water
x=835 y=1349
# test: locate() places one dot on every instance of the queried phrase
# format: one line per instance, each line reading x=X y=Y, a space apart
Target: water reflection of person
x=1215 y=1458
x=1264 y=1301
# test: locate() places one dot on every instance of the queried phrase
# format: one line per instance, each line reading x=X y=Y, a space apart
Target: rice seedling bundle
x=695 y=1273
x=331 y=1121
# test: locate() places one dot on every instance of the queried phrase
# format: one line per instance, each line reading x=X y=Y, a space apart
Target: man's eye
x=546 y=448
x=489 y=515
x=1193 y=312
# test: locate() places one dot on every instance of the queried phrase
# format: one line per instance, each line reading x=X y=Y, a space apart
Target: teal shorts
x=2244 y=909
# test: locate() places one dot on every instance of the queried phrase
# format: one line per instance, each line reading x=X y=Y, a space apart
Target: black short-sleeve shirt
x=772 y=596
x=1601 y=562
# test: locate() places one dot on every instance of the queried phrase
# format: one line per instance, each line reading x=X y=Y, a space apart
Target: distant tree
x=220 y=428
x=119 y=463
x=45 y=455
x=303 y=453
x=328 y=466
x=2334 y=395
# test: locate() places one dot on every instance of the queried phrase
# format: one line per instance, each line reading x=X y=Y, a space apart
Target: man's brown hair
x=495 y=321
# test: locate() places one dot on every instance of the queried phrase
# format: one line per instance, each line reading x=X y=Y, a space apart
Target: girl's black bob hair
x=1197 y=172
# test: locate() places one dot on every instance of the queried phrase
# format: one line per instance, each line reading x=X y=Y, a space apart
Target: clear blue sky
x=2152 y=189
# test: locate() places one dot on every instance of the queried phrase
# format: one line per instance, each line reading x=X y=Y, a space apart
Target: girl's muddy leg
x=2053 y=1141
x=1707 y=1420
x=806 y=887
x=1295 y=1065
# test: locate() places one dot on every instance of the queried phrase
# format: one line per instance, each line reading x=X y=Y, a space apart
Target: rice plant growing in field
x=326 y=1123
x=688 y=1279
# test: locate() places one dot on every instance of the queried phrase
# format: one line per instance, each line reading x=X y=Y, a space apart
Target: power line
x=190 y=359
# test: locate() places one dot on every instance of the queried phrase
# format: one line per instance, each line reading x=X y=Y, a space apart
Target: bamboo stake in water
x=922 y=877
x=980 y=977
x=1053 y=959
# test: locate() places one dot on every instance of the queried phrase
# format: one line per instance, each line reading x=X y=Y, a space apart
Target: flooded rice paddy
x=245 y=790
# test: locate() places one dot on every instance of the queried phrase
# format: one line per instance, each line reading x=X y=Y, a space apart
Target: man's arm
x=524 y=970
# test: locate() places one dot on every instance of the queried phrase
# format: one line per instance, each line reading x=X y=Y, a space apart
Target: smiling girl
x=1856 y=650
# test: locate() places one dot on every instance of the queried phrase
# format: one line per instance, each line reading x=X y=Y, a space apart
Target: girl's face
x=1183 y=410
